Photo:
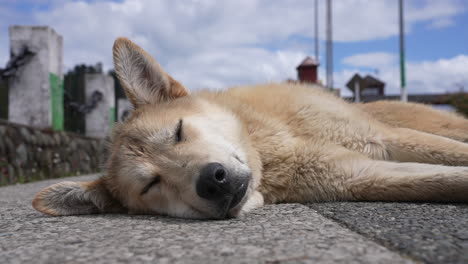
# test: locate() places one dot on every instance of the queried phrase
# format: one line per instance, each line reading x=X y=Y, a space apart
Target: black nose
x=214 y=182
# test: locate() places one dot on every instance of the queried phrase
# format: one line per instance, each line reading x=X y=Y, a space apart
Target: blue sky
x=217 y=44
x=422 y=43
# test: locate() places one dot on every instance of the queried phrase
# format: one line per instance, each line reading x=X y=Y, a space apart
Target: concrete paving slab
x=433 y=233
x=289 y=233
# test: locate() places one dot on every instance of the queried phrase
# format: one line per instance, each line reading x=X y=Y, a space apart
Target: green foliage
x=460 y=102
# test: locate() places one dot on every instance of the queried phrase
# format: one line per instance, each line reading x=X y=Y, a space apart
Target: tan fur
x=68 y=198
x=298 y=143
x=430 y=120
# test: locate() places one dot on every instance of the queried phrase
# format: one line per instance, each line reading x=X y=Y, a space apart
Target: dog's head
x=176 y=155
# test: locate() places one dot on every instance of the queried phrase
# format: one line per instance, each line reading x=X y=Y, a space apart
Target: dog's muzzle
x=222 y=188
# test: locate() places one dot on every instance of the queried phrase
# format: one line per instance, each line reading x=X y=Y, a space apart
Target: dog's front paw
x=254 y=201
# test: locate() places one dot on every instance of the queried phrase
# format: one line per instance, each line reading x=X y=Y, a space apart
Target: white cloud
x=235 y=66
x=441 y=23
x=209 y=43
x=438 y=76
x=433 y=9
x=362 y=20
x=6 y=17
x=196 y=41
x=371 y=60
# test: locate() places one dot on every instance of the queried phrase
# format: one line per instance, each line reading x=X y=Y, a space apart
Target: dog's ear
x=76 y=198
x=142 y=78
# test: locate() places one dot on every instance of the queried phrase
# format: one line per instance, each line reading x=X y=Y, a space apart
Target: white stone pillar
x=100 y=120
x=357 y=91
x=36 y=89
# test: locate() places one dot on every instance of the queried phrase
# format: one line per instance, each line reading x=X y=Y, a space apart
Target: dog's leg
x=418 y=117
x=408 y=145
x=371 y=180
x=333 y=173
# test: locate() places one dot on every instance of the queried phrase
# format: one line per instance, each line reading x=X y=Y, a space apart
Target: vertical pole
x=329 y=46
x=404 y=93
x=316 y=32
x=357 y=91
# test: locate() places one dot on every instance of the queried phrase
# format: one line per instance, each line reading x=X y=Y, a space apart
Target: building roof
x=373 y=82
x=307 y=62
x=365 y=82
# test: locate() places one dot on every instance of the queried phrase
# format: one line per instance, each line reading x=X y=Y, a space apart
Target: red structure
x=307 y=70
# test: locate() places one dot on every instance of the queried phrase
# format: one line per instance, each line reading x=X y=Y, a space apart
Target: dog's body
x=217 y=154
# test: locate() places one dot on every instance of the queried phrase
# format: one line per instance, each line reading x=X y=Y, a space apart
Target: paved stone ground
x=434 y=233
x=290 y=233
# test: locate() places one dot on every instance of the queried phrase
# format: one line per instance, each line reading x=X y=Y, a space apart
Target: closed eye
x=153 y=182
x=178 y=132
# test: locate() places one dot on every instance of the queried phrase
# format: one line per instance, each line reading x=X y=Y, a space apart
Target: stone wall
x=29 y=154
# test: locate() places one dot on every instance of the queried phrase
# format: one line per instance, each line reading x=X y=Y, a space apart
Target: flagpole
x=404 y=93
x=329 y=46
x=316 y=32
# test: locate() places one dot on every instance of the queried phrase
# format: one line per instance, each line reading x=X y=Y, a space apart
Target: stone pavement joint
x=433 y=233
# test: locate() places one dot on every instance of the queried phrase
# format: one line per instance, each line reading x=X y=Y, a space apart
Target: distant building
x=372 y=89
x=307 y=70
x=368 y=86
x=307 y=73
